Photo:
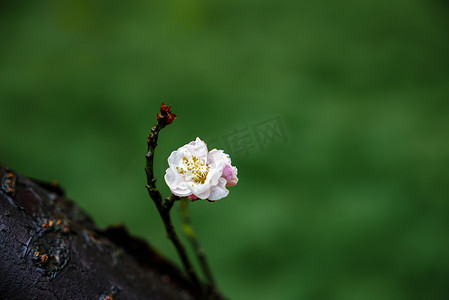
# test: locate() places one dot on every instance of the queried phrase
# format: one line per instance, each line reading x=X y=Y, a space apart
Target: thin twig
x=164 y=207
x=193 y=239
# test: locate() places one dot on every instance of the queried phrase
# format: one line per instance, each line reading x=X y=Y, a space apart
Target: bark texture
x=50 y=249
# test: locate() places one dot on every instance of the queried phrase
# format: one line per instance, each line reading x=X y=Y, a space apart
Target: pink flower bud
x=230 y=174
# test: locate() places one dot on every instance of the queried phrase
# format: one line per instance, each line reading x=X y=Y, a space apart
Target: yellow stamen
x=196 y=168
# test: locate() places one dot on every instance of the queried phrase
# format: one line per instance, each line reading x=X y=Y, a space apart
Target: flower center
x=194 y=167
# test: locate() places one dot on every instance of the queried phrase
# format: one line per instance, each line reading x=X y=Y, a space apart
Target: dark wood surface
x=50 y=249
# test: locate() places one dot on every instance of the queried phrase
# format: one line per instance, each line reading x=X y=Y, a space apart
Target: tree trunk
x=50 y=249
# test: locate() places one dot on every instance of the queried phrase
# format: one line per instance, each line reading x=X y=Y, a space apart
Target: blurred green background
x=353 y=206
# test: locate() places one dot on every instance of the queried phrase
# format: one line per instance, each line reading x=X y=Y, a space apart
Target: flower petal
x=199 y=189
x=198 y=148
x=204 y=195
x=181 y=193
x=218 y=192
x=216 y=160
x=170 y=177
x=176 y=183
x=175 y=157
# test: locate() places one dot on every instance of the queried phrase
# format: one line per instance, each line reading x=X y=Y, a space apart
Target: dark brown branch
x=50 y=249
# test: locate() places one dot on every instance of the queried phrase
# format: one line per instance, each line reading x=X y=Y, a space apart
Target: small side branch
x=193 y=239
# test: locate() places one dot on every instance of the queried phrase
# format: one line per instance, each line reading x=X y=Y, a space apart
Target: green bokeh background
x=353 y=206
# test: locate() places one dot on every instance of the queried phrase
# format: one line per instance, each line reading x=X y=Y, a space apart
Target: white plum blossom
x=195 y=172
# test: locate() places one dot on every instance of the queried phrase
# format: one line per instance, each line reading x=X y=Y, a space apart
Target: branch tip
x=166 y=116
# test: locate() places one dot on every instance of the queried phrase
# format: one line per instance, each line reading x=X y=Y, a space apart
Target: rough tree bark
x=50 y=249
